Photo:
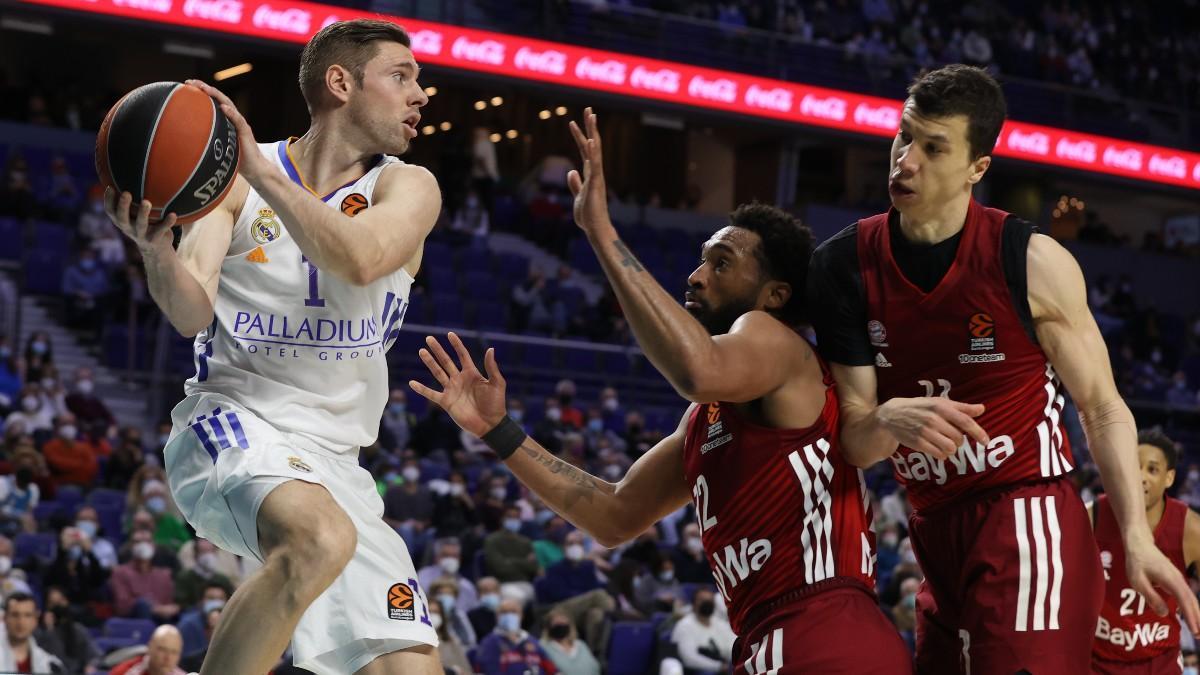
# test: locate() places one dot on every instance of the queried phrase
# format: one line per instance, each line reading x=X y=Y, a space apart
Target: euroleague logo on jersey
x=400 y=603
x=354 y=204
x=982 y=329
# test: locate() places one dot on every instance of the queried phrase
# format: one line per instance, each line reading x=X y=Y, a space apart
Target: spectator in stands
x=470 y=223
x=193 y=623
x=691 y=567
x=572 y=576
x=140 y=589
x=164 y=556
x=549 y=547
x=35 y=414
x=395 y=428
x=444 y=592
x=92 y=221
x=704 y=641
x=72 y=460
x=638 y=439
x=24 y=455
x=62 y=194
x=451 y=651
x=509 y=556
x=76 y=569
x=10 y=378
x=162 y=658
x=88 y=408
x=127 y=458
x=192 y=663
x=483 y=617
x=19 y=496
x=19 y=650
x=61 y=634
x=492 y=501
x=614 y=414
x=658 y=590
x=509 y=650
x=148 y=490
x=551 y=432
x=87 y=521
x=191 y=582
x=85 y=285
x=53 y=392
x=570 y=655
x=572 y=416
x=39 y=355
x=454 y=511
x=228 y=565
x=904 y=612
x=16 y=190
x=447 y=566
x=408 y=507
x=485 y=172
x=12 y=580
x=1180 y=394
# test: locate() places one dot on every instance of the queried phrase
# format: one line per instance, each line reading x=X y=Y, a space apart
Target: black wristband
x=505 y=437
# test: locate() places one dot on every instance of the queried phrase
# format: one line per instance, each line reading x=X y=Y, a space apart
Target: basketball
x=400 y=596
x=170 y=144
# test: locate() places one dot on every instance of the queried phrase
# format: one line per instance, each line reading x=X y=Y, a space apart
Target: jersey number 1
x=313 y=300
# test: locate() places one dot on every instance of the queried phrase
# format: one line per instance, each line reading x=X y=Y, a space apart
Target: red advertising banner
x=638 y=77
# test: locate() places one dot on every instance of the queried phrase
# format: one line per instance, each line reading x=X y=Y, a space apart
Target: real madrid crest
x=298 y=465
x=265 y=227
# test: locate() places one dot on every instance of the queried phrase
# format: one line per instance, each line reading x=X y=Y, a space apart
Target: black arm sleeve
x=837 y=302
x=1014 y=247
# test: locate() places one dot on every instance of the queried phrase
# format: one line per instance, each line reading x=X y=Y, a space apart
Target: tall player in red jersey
x=1131 y=639
x=785 y=520
x=941 y=300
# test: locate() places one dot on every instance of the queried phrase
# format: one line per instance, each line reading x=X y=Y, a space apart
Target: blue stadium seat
x=442 y=279
x=580 y=360
x=631 y=649
x=490 y=316
x=43 y=272
x=133 y=629
x=448 y=311
x=111 y=518
x=70 y=496
x=512 y=266
x=44 y=511
x=108 y=644
x=12 y=238
x=472 y=259
x=537 y=356
x=28 y=548
x=106 y=497
x=615 y=363
x=51 y=237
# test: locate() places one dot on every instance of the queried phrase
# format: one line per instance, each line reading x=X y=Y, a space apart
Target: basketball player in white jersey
x=294 y=288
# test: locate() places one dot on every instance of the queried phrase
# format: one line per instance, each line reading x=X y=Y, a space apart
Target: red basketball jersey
x=964 y=340
x=781 y=513
x=1129 y=629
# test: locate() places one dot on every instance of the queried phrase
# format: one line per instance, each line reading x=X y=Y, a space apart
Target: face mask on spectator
x=213 y=603
x=666 y=576
x=499 y=493
x=75 y=552
x=553 y=414
x=447 y=601
x=509 y=622
x=68 y=432
x=163 y=438
x=574 y=552
x=516 y=415
x=38 y=347
x=207 y=561
x=396 y=408
x=156 y=504
x=596 y=425
x=5 y=353
x=143 y=550
x=85 y=387
x=1191 y=670
x=48 y=383
x=29 y=403
x=5 y=564
x=411 y=474
x=512 y=524
x=449 y=565
x=705 y=609
x=87 y=264
x=559 y=631
x=456 y=489
x=889 y=540
x=694 y=545
x=490 y=600
x=87 y=527
x=610 y=404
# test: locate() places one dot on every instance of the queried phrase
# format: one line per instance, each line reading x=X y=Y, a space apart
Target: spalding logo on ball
x=170 y=144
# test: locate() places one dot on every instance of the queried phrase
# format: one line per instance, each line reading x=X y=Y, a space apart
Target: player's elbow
x=190 y=327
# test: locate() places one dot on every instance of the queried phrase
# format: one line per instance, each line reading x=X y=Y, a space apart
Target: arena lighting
x=428 y=129
x=233 y=71
x=560 y=110
x=431 y=91
x=560 y=64
x=444 y=126
x=495 y=138
x=511 y=134
x=480 y=105
x=497 y=101
x=544 y=115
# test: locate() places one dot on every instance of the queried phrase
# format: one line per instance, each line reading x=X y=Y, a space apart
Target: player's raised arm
x=183 y=283
x=359 y=250
x=742 y=365
x=1068 y=334
x=610 y=512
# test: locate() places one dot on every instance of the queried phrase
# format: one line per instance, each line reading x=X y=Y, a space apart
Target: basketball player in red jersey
x=941 y=300
x=785 y=520
x=1131 y=639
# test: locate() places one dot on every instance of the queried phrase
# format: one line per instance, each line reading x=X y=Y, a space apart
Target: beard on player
x=718 y=317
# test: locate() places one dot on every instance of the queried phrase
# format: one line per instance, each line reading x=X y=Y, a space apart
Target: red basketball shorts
x=839 y=631
x=1167 y=663
x=1012 y=582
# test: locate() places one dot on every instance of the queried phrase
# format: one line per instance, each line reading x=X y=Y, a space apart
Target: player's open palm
x=475 y=403
x=1150 y=571
x=591 y=195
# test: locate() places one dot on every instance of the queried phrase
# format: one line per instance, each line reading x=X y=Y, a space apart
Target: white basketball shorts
x=223 y=460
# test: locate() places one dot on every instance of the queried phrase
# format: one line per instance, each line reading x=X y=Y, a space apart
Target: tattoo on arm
x=628 y=260
x=579 y=485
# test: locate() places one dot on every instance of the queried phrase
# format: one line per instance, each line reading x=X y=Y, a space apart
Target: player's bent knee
x=304 y=528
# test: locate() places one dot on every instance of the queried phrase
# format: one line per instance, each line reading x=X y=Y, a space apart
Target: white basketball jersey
x=300 y=348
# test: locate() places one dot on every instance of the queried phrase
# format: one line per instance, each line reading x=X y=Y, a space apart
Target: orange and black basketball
x=400 y=596
x=170 y=144
x=353 y=204
x=982 y=325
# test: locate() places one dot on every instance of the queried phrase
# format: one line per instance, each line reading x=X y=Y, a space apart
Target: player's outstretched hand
x=1149 y=569
x=934 y=425
x=475 y=403
x=591 y=195
x=147 y=236
x=251 y=163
